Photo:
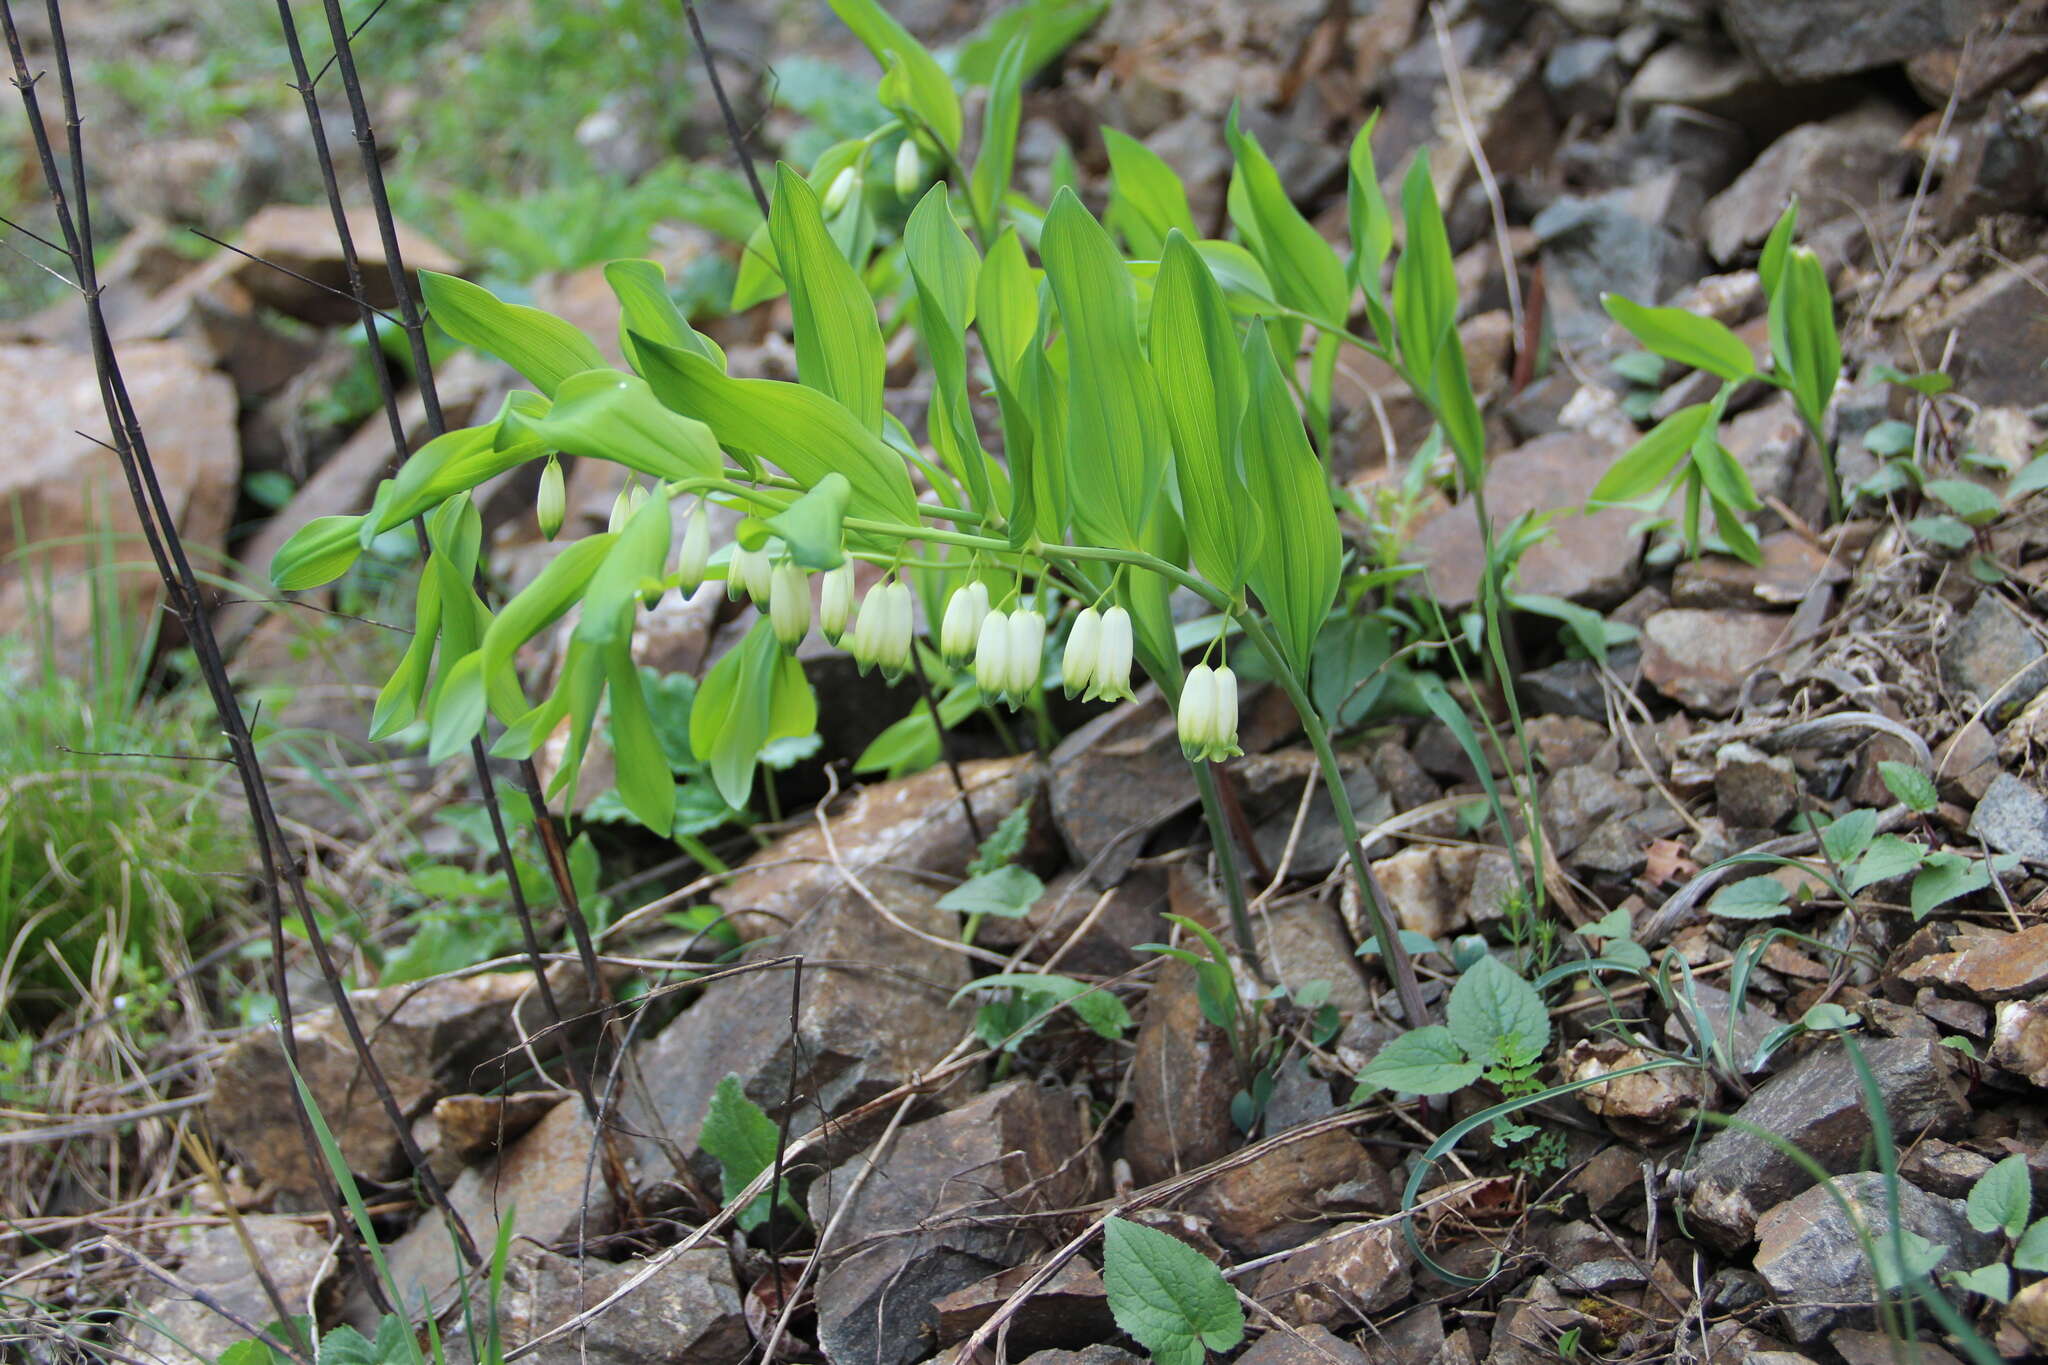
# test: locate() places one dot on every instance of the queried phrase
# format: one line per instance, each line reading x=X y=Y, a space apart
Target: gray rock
x=1310 y=1345
x=1573 y=687
x=1279 y=1200
x=919 y=1227
x=1809 y=1253
x=2012 y=817
x=1755 y=790
x=1181 y=1082
x=1991 y=653
x=1818 y=39
x=1273 y=787
x=1837 y=166
x=1069 y=1310
x=876 y=1016
x=183 y=1331
x=1817 y=1106
x=1997 y=357
x=1752 y=1027
x=1579 y=799
x=1597 y=245
x=688 y=1310
x=1771 y=445
x=1988 y=965
x=1114 y=780
x=1701 y=659
x=1356 y=1271
x=1302 y=940
x=1709 y=151
x=1583 y=77
x=1595 y=560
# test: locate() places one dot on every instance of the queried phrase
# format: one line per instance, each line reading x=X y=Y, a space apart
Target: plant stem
x=1392 y=952
x=1226 y=865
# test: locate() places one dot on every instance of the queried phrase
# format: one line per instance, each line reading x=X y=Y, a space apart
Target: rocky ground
x=1638 y=146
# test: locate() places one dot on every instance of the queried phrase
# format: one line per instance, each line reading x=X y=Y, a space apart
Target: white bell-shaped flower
x=835 y=601
x=1208 y=714
x=696 y=550
x=909 y=169
x=1083 y=654
x=1111 y=680
x=992 y=654
x=841 y=189
x=1026 y=650
x=960 y=629
x=789 y=603
x=898 y=626
x=749 y=572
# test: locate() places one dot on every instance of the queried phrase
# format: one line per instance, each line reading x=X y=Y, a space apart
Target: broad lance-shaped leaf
x=645 y=784
x=1296 y=571
x=611 y=415
x=1372 y=231
x=1116 y=438
x=539 y=345
x=1305 y=272
x=753 y=696
x=1649 y=462
x=996 y=161
x=838 y=340
x=639 y=554
x=804 y=432
x=1006 y=319
x=1687 y=338
x=946 y=270
x=1803 y=313
x=811 y=528
x=1202 y=389
x=398 y=701
x=915 y=83
x=1146 y=198
x=1425 y=281
x=645 y=307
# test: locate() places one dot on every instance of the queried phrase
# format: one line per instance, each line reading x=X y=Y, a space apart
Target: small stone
x=1610 y=1180
x=1817 y=1106
x=1416 y=1335
x=1755 y=790
x=1307 y=1345
x=1700 y=659
x=1303 y=941
x=1070 y=1310
x=1954 y=1016
x=1818 y=39
x=1495 y=887
x=1114 y=780
x=1967 y=762
x=2028 y=1312
x=1991 y=654
x=1561 y=742
x=1994 y=361
x=1646 y=1105
x=1791 y=569
x=2020 y=1041
x=1182 y=1080
x=1943 y=1168
x=1809 y=1253
x=1992 y=967
x=1879 y=1348
x=1357 y=1270
x=1837 y=165
x=295 y=253
x=1275 y=1203
x=1609 y=243
x=1422 y=898
x=1583 y=77
x=1594 y=560
x=1621 y=845
x=461 y=1129
x=1579 y=799
x=689 y=1309
x=1751 y=1028
x=184 y=1331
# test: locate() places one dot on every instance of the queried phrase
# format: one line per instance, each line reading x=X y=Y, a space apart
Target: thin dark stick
x=1240 y=826
x=796 y=1010
x=732 y=121
x=35 y=237
x=180 y=591
x=945 y=736
x=357 y=299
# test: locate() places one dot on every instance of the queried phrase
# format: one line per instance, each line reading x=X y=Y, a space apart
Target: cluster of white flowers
x=881 y=637
x=1208 y=714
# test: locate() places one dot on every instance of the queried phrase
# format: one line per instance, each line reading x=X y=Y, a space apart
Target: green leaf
x=1007 y=893
x=1974 y=503
x=1903 y=1255
x=645 y=307
x=1993 y=1281
x=610 y=415
x=1425 y=281
x=398 y=701
x=1169 y=1297
x=915 y=84
x=1117 y=438
x=1146 y=198
x=995 y=163
x=1771 y=266
x=539 y=345
x=1928 y=384
x=1423 y=1061
x=393 y=1346
x=1497 y=1017
x=813 y=527
x=645 y=783
x=752 y=696
x=1687 y=338
x=1845 y=839
x=319 y=552
x=1913 y=788
x=1944 y=877
x=1041 y=28
x=1297 y=568
x=2031 y=1255
x=946 y=270
x=2003 y=1198
x=1346 y=672
x=1811 y=353
x=1887 y=857
x=1099 y=1009
x=804 y=432
x=1944 y=531
x=1889 y=438
x=1372 y=230
x=1750 y=898
x=1649 y=462
x=640 y=553
x=741 y=1136
x=1306 y=274
x=2032 y=478
x=838 y=339
x=1203 y=390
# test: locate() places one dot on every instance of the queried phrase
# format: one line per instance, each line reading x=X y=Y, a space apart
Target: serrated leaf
x=1007 y=893
x=1943 y=530
x=346 y=1346
x=1423 y=1061
x=1169 y=1297
x=1944 y=877
x=1888 y=856
x=1972 y=502
x=1903 y=1255
x=1497 y=1017
x=1686 y=338
x=1912 y=787
x=2031 y=1255
x=1846 y=838
x=1993 y=1281
x=742 y=1137
x=2003 y=1198
x=539 y=345
x=1750 y=898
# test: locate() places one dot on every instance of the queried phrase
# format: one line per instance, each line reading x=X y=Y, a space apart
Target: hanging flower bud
x=1112 y=677
x=750 y=573
x=992 y=654
x=835 y=601
x=898 y=626
x=966 y=609
x=867 y=630
x=1078 y=665
x=552 y=501
x=696 y=551
x=1208 y=714
x=789 y=603
x=909 y=169
x=1026 y=650
x=841 y=189
x=623 y=507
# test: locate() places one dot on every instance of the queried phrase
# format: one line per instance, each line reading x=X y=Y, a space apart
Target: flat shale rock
x=179 y=1330
x=1994 y=362
x=1069 y=1311
x=1358 y=1270
x=1700 y=659
x=1817 y=1105
x=1835 y=166
x=2012 y=817
x=1116 y=779
x=1280 y=1200
x=1310 y=1345
x=1818 y=39
x=2000 y=967
x=689 y=1310
x=1991 y=654
x=1809 y=1254
x=1181 y=1083
x=928 y=1220
x=1792 y=567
